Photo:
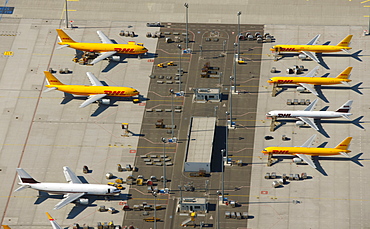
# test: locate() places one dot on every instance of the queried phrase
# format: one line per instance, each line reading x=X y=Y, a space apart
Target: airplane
x=305 y=82
x=95 y=93
x=305 y=151
x=308 y=116
x=311 y=48
x=72 y=190
x=106 y=49
x=54 y=223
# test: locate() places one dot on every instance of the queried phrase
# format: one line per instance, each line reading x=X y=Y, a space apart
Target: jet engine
x=297 y=160
x=104 y=101
x=82 y=201
x=299 y=123
x=115 y=58
x=302 y=56
x=301 y=89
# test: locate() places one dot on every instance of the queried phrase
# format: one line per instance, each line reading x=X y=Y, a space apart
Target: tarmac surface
x=41 y=135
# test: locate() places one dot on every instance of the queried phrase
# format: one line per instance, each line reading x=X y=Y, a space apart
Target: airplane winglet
x=49 y=216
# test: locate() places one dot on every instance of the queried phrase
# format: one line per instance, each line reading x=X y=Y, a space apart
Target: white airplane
x=308 y=116
x=54 y=224
x=72 y=190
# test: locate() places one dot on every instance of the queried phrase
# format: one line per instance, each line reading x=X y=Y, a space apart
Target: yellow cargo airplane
x=106 y=49
x=305 y=151
x=311 y=49
x=95 y=93
x=305 y=82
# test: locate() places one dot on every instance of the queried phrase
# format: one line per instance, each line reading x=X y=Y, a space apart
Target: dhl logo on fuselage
x=280 y=151
x=287 y=49
x=114 y=92
x=123 y=50
x=284 y=115
x=284 y=81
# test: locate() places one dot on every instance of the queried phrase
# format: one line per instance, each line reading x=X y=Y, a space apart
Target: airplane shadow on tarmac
x=101 y=107
x=357 y=122
x=321 y=56
x=356 y=88
x=355 y=159
x=78 y=208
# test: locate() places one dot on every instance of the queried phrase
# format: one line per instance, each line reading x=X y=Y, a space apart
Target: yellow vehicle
x=151 y=219
x=160 y=65
x=170 y=63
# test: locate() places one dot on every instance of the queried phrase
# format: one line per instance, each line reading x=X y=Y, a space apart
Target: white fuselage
x=307 y=114
x=64 y=188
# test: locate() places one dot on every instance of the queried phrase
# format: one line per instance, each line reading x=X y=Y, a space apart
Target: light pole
x=66 y=15
x=239 y=13
x=155 y=209
x=223 y=176
x=231 y=100
x=187 y=38
x=172 y=113
x=235 y=59
x=226 y=139
x=164 y=163
x=180 y=72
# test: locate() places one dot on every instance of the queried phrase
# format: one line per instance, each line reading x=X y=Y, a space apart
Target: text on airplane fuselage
x=287 y=49
x=123 y=50
x=114 y=92
x=280 y=151
x=284 y=115
x=285 y=81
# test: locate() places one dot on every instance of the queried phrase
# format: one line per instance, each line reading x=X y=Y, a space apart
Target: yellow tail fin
x=345 y=74
x=345 y=42
x=64 y=37
x=52 y=79
x=344 y=144
x=5 y=226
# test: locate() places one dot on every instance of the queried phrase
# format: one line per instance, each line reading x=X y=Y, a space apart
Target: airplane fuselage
x=308 y=80
x=307 y=114
x=64 y=188
x=304 y=150
x=309 y=48
x=94 y=90
x=101 y=47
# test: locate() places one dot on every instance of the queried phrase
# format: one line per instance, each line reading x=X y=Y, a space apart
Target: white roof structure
x=199 y=152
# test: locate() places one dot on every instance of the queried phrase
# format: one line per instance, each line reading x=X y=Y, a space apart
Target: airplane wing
x=70 y=197
x=54 y=224
x=307 y=159
x=92 y=99
x=93 y=80
x=311 y=106
x=71 y=176
x=311 y=55
x=103 y=56
x=310 y=88
x=310 y=122
x=104 y=39
x=308 y=143
x=314 y=40
x=313 y=72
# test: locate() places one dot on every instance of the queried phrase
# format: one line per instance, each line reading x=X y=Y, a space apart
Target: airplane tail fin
x=63 y=37
x=345 y=74
x=344 y=144
x=54 y=224
x=24 y=178
x=5 y=226
x=345 y=42
x=52 y=80
x=345 y=108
